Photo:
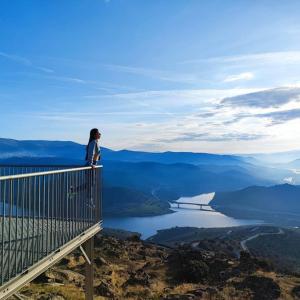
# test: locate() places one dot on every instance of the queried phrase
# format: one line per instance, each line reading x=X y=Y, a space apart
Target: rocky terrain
x=279 y=245
x=128 y=268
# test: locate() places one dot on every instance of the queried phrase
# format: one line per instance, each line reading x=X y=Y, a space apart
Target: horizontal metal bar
x=38 y=166
x=46 y=173
x=14 y=285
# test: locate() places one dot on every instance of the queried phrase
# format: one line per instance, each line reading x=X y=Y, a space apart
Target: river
x=188 y=215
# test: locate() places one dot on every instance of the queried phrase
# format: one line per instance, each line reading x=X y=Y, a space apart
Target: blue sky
x=203 y=76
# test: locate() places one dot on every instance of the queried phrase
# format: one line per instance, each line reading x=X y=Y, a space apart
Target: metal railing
x=42 y=211
x=6 y=170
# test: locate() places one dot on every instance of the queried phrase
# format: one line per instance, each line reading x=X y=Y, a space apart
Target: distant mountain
x=175 y=180
x=12 y=148
x=133 y=176
x=74 y=151
x=284 y=197
x=38 y=161
x=175 y=157
x=293 y=164
x=275 y=203
x=276 y=157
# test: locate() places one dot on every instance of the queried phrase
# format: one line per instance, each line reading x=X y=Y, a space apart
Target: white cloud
x=157 y=74
x=266 y=98
x=16 y=58
x=279 y=57
x=289 y=180
x=282 y=57
x=24 y=61
x=241 y=76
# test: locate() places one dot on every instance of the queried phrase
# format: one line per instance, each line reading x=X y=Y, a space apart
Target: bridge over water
x=45 y=213
x=200 y=206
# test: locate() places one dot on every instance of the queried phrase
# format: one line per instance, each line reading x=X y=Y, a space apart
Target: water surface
x=189 y=215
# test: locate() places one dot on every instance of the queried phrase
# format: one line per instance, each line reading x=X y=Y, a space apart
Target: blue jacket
x=93 y=153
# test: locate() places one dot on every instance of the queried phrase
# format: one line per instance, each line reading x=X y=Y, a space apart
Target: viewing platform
x=45 y=213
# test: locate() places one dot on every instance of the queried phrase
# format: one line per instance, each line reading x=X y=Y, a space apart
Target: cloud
x=276 y=117
x=207 y=137
x=266 y=57
x=265 y=99
x=16 y=58
x=277 y=57
x=279 y=117
x=156 y=74
x=178 y=97
x=24 y=61
x=289 y=180
x=241 y=76
x=68 y=79
x=46 y=70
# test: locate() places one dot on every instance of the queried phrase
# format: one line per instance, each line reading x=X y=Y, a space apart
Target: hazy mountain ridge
x=279 y=204
x=44 y=148
x=283 y=197
x=175 y=180
x=162 y=176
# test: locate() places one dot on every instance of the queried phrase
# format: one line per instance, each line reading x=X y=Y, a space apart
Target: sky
x=162 y=75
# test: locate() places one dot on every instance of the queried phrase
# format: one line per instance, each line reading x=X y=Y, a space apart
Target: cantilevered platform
x=43 y=217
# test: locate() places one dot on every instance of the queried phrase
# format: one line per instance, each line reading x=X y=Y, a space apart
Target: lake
x=188 y=215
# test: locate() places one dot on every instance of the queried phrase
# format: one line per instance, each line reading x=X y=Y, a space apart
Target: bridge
x=201 y=205
x=46 y=212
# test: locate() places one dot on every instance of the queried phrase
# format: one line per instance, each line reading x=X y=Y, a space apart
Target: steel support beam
x=89 y=268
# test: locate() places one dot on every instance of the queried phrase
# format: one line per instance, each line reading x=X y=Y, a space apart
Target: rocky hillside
x=277 y=244
x=131 y=269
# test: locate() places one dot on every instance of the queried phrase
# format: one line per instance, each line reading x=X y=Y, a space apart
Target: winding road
x=243 y=242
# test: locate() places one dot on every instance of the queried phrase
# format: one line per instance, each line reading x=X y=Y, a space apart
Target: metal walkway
x=44 y=215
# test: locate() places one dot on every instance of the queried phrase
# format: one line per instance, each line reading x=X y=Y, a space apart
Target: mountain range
x=149 y=180
x=279 y=204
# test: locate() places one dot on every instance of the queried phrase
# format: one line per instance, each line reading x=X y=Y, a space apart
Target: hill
x=67 y=149
x=293 y=164
x=279 y=203
x=169 y=182
x=146 y=184
x=131 y=269
x=278 y=245
x=125 y=202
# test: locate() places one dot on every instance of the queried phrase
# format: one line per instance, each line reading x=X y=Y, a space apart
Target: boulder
x=104 y=290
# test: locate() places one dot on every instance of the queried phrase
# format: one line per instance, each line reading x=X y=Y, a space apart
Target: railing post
x=89 y=270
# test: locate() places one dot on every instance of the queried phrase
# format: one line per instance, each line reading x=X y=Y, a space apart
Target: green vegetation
x=125 y=202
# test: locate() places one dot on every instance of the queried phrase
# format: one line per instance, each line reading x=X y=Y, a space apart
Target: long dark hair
x=93 y=133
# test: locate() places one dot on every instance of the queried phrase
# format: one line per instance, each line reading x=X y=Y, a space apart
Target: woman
x=93 y=149
x=88 y=187
x=92 y=157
